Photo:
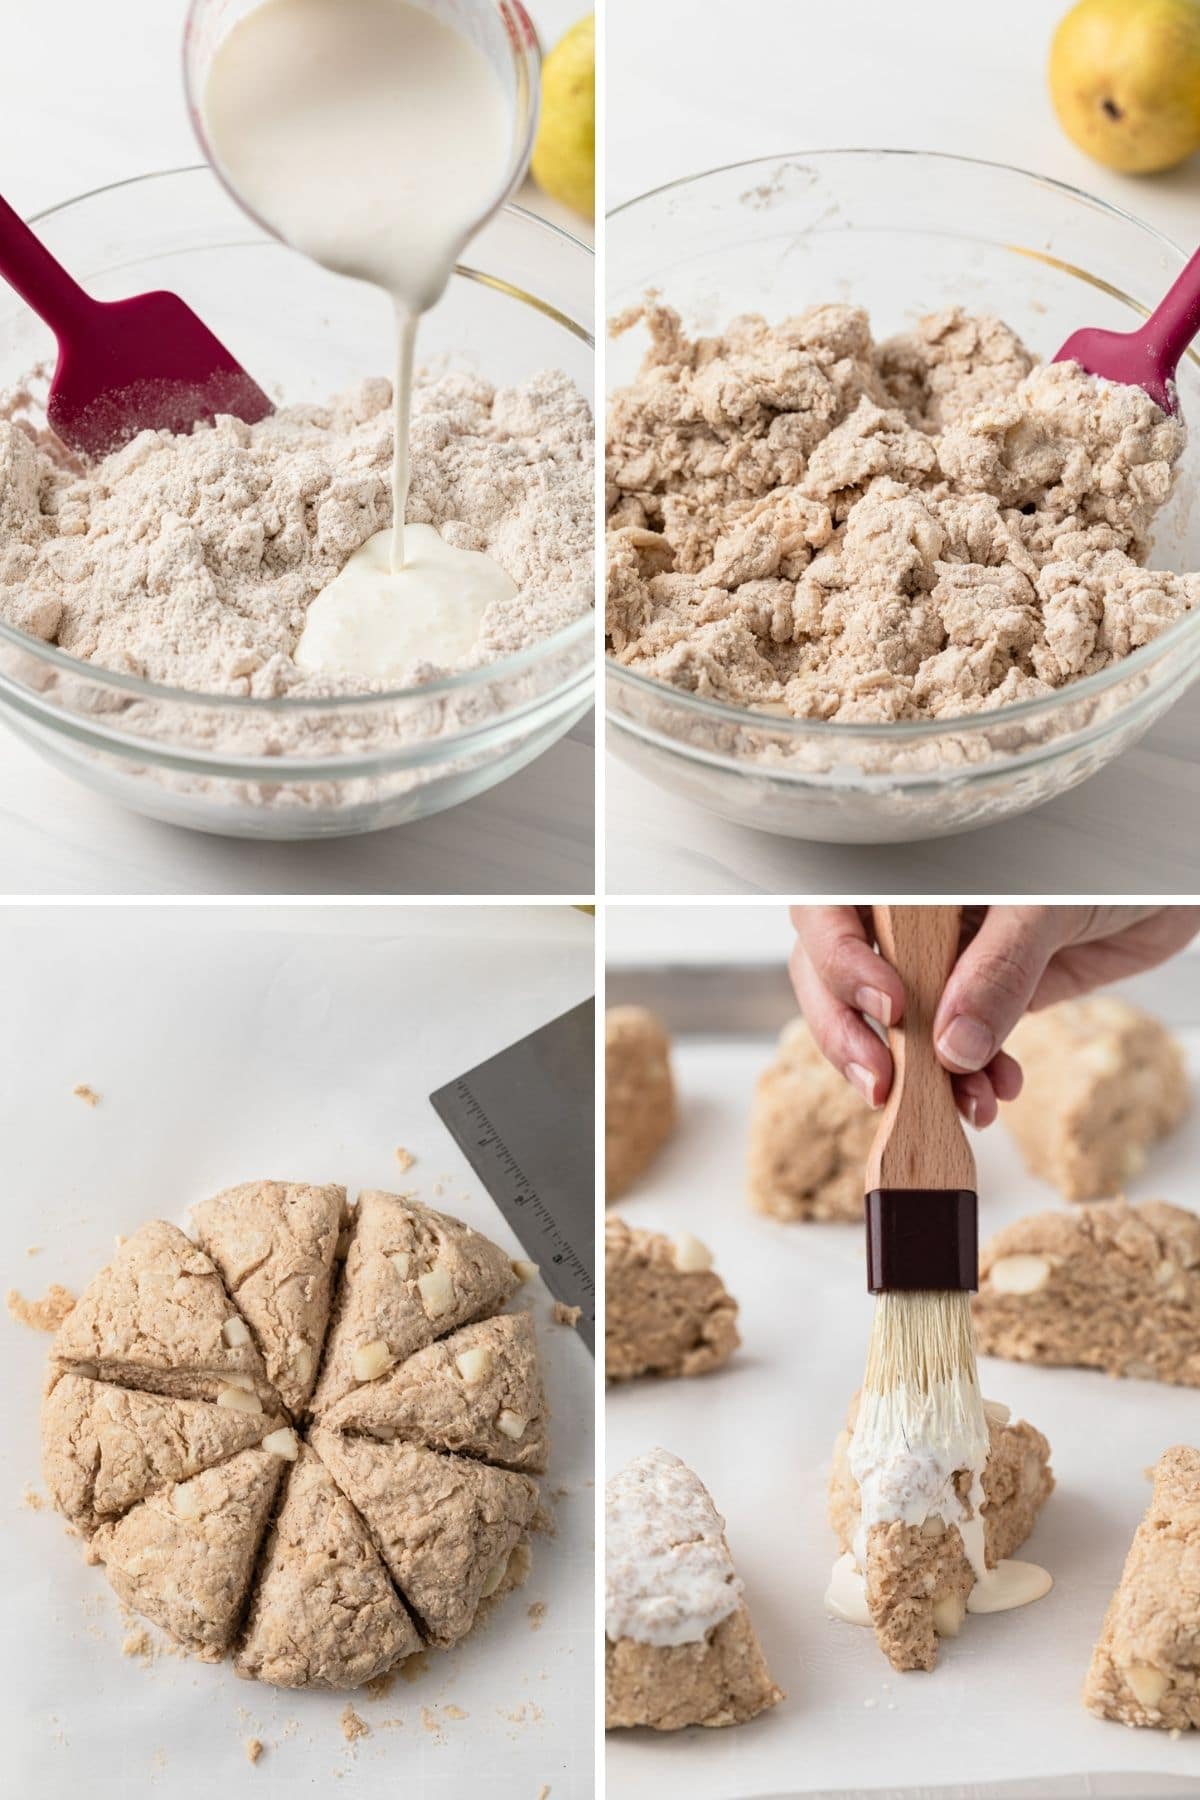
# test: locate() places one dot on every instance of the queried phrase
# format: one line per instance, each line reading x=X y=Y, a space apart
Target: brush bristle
x=920 y=1341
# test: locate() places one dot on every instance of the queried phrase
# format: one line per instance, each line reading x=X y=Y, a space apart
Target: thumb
x=994 y=980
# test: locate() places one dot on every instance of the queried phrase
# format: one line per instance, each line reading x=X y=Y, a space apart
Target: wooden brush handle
x=920 y=1142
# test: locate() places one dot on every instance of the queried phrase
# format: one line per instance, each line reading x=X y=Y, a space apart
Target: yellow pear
x=1125 y=81
x=564 y=156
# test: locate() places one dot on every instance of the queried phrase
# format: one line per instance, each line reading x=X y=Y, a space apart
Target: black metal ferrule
x=926 y=1238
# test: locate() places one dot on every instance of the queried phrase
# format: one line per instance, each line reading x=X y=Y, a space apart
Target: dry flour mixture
x=805 y=522
x=191 y=561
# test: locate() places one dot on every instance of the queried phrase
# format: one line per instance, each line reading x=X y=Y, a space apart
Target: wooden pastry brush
x=922 y=1214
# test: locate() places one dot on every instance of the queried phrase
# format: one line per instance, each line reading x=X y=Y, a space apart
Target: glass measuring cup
x=500 y=29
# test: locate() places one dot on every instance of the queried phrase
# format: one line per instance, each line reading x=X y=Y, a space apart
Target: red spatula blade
x=145 y=364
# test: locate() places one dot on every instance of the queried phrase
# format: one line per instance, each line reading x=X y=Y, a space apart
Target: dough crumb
x=429 y=1720
x=140 y=1644
x=454 y=1712
x=46 y=1314
x=33 y=1500
x=353 y=1727
x=87 y=1094
x=565 y=1315
x=254 y=1749
x=537 y=1613
x=405 y=1158
x=33 y=1249
x=544 y=1791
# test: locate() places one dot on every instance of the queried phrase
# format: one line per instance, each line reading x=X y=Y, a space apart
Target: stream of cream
x=373 y=138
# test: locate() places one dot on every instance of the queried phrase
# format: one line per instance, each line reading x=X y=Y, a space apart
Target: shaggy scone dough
x=918 y=1577
x=1103 y=1082
x=446 y=1526
x=639 y=1095
x=184 y=1557
x=411 y=1276
x=106 y=1447
x=1146 y=1666
x=679 y=1645
x=806 y=522
x=155 y=1318
x=666 y=1310
x=324 y=1611
x=809 y=1135
x=477 y=1393
x=274 y=1244
x=1113 y=1287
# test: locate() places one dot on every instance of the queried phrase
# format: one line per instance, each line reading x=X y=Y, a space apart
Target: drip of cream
x=906 y=1452
x=373 y=138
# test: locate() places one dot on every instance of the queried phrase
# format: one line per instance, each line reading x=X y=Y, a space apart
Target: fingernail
x=973 y=1110
x=875 y=1003
x=967 y=1043
x=863 y=1080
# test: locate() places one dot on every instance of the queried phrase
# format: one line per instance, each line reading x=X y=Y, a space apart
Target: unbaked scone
x=184 y=1557
x=159 y=1318
x=679 y=1645
x=918 y=1577
x=477 y=1393
x=639 y=1095
x=324 y=1612
x=274 y=1243
x=1145 y=1669
x=1103 y=1082
x=666 y=1310
x=809 y=1135
x=446 y=1526
x=1113 y=1287
x=411 y=1276
x=104 y=1448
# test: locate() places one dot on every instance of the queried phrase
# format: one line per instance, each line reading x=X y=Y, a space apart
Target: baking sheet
x=228 y=1043
x=1003 y=1701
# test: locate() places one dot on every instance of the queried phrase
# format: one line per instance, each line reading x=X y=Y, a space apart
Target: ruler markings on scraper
x=550 y=1206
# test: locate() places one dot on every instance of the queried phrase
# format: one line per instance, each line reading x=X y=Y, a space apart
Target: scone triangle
x=184 y=1557
x=918 y=1582
x=411 y=1276
x=324 y=1611
x=159 y=1318
x=446 y=1526
x=680 y=1648
x=477 y=1392
x=1113 y=1287
x=106 y=1447
x=274 y=1244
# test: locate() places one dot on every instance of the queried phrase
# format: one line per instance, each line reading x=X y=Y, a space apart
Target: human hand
x=1012 y=959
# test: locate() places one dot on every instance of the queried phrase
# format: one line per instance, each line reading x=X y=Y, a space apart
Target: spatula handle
x=43 y=283
x=921 y=1211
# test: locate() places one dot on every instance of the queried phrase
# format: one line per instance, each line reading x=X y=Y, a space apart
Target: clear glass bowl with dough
x=900 y=233
x=520 y=301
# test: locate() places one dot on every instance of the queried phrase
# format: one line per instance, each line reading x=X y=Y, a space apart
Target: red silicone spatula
x=1148 y=357
x=124 y=366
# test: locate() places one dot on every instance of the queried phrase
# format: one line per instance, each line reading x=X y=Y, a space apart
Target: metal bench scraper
x=525 y=1121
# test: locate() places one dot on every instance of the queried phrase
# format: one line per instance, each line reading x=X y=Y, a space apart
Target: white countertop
x=94 y=95
x=936 y=75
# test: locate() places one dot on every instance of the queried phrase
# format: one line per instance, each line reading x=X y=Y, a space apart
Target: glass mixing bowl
x=900 y=233
x=520 y=301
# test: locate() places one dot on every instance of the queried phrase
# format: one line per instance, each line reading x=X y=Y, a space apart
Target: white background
x=1004 y=1699
x=94 y=94
x=228 y=1044
x=691 y=86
